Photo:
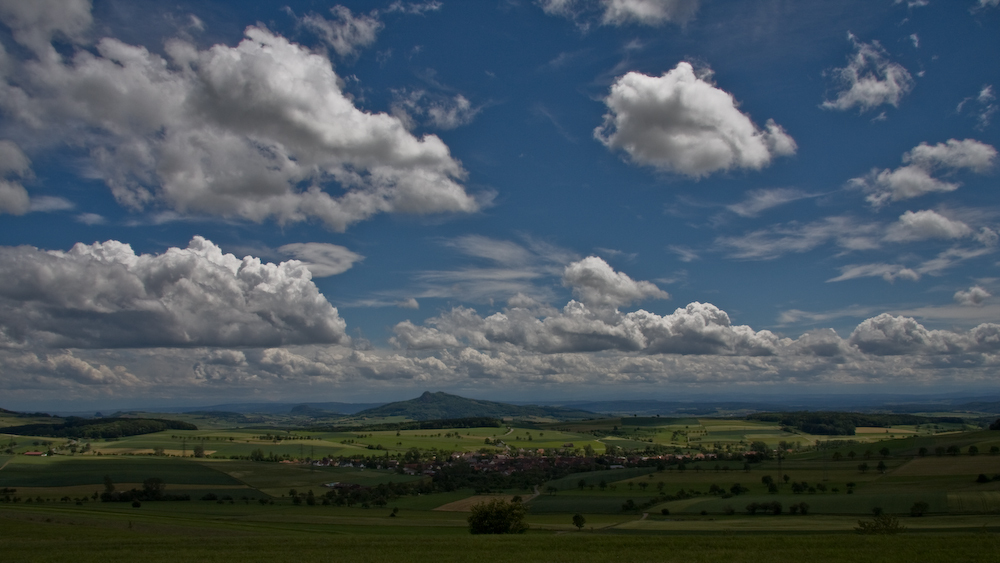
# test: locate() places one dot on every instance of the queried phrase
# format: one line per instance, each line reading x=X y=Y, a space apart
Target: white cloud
x=915 y=178
x=13 y=163
x=256 y=131
x=34 y=23
x=623 y=12
x=975 y=296
x=869 y=79
x=436 y=110
x=66 y=366
x=969 y=154
x=682 y=123
x=933 y=266
x=414 y=8
x=888 y=272
x=511 y=269
x=696 y=329
x=762 y=200
x=345 y=33
x=592 y=325
x=410 y=303
x=91 y=219
x=648 y=12
x=322 y=259
x=924 y=225
x=596 y=284
x=989 y=3
x=13 y=198
x=890 y=335
x=105 y=296
x=984 y=108
x=778 y=240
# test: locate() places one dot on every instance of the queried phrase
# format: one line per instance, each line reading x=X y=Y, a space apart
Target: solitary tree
x=579 y=521
x=498 y=516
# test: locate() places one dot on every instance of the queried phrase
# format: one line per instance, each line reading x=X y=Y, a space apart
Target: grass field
x=248 y=533
x=69 y=471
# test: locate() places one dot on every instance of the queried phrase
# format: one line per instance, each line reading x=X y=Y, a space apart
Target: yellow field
x=149 y=451
x=985 y=501
x=880 y=430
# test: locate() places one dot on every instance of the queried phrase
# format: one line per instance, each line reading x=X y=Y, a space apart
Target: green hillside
x=431 y=406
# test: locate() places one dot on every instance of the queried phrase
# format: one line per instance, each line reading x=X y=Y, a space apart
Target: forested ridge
x=75 y=427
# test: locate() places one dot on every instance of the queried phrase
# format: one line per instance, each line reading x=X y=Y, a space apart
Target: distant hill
x=431 y=406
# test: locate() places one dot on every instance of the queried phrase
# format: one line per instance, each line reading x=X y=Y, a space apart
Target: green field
x=211 y=532
x=61 y=472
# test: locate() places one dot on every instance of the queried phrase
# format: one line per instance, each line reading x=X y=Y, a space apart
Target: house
x=40 y=454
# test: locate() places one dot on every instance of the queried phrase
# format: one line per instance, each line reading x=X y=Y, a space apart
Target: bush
x=882 y=524
x=498 y=516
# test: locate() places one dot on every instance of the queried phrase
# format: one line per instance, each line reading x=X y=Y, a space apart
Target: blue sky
x=523 y=200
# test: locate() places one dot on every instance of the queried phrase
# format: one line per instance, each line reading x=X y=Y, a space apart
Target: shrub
x=882 y=524
x=498 y=516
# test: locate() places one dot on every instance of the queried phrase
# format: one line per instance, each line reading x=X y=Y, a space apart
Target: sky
x=531 y=200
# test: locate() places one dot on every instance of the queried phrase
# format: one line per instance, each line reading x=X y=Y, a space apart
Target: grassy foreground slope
x=51 y=533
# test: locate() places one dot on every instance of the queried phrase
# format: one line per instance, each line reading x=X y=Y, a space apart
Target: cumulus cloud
x=924 y=225
x=891 y=335
x=595 y=283
x=869 y=79
x=66 y=366
x=346 y=32
x=592 y=324
x=259 y=131
x=680 y=122
x=321 y=258
x=623 y=12
x=975 y=296
x=35 y=23
x=104 y=295
x=915 y=178
x=696 y=329
x=434 y=110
